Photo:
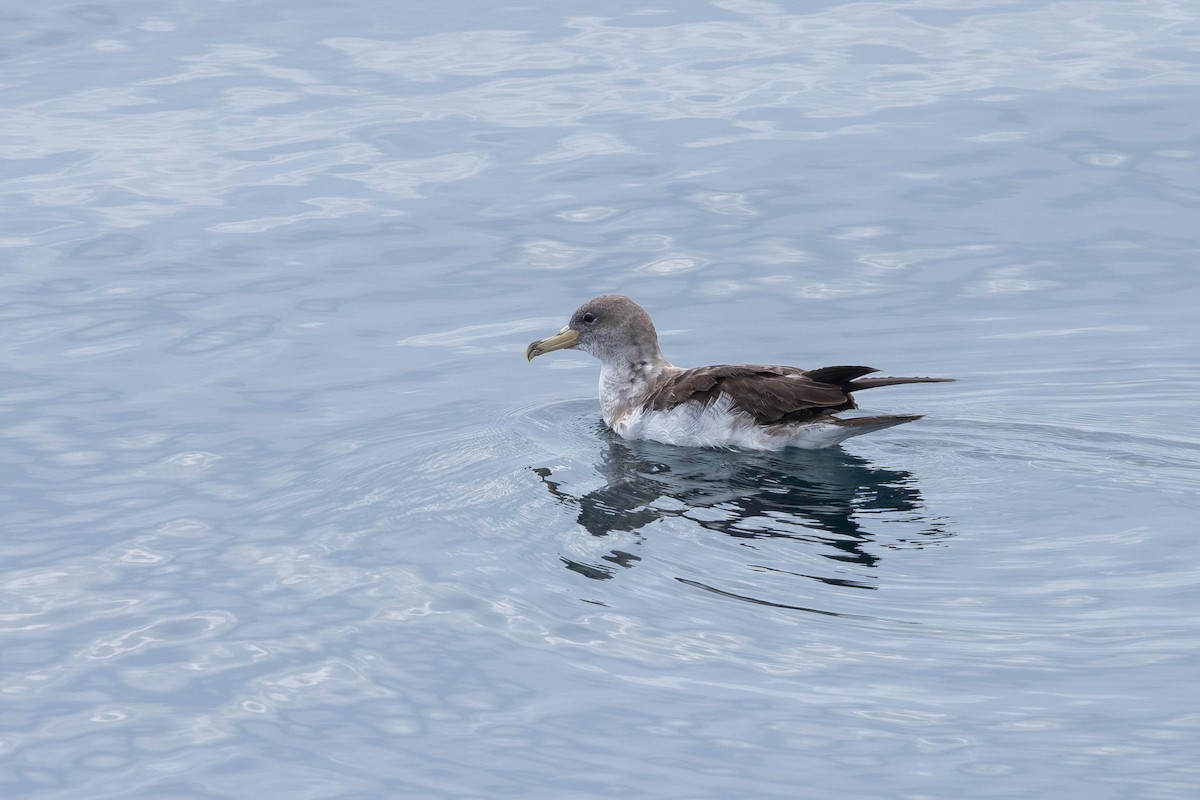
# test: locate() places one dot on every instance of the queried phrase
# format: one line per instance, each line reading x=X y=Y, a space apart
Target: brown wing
x=773 y=394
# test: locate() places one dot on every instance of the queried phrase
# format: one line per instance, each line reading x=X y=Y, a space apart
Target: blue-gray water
x=285 y=513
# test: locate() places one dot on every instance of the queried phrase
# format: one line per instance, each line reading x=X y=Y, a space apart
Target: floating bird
x=750 y=406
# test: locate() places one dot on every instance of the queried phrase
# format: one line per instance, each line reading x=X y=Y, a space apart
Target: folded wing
x=772 y=394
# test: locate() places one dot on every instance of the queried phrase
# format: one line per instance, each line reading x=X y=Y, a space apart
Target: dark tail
x=857 y=426
x=851 y=379
x=868 y=424
x=871 y=383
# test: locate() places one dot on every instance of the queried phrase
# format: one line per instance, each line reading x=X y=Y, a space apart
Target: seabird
x=750 y=406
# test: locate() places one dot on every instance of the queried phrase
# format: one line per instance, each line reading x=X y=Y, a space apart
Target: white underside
x=719 y=424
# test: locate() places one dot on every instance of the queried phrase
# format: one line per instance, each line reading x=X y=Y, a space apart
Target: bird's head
x=608 y=327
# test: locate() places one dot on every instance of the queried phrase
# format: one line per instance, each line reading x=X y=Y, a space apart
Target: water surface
x=285 y=512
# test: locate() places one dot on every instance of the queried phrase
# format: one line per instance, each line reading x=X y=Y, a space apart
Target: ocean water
x=285 y=513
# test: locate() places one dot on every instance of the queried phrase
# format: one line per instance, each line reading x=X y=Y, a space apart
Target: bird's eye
x=589 y=318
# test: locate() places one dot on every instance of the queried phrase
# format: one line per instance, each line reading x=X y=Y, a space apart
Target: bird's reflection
x=825 y=496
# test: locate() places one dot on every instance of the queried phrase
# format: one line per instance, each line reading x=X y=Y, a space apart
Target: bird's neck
x=626 y=381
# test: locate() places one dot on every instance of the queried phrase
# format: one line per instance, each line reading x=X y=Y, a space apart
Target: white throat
x=625 y=384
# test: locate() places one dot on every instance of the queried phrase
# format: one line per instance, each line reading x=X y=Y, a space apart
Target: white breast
x=720 y=424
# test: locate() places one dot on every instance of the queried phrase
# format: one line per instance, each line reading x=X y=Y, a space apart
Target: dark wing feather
x=772 y=394
x=871 y=383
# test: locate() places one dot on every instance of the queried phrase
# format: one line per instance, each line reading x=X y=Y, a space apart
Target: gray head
x=609 y=327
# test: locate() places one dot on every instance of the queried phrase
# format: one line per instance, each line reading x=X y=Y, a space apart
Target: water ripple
x=284 y=515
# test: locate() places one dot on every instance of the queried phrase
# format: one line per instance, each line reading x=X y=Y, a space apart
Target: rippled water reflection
x=286 y=513
x=828 y=497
